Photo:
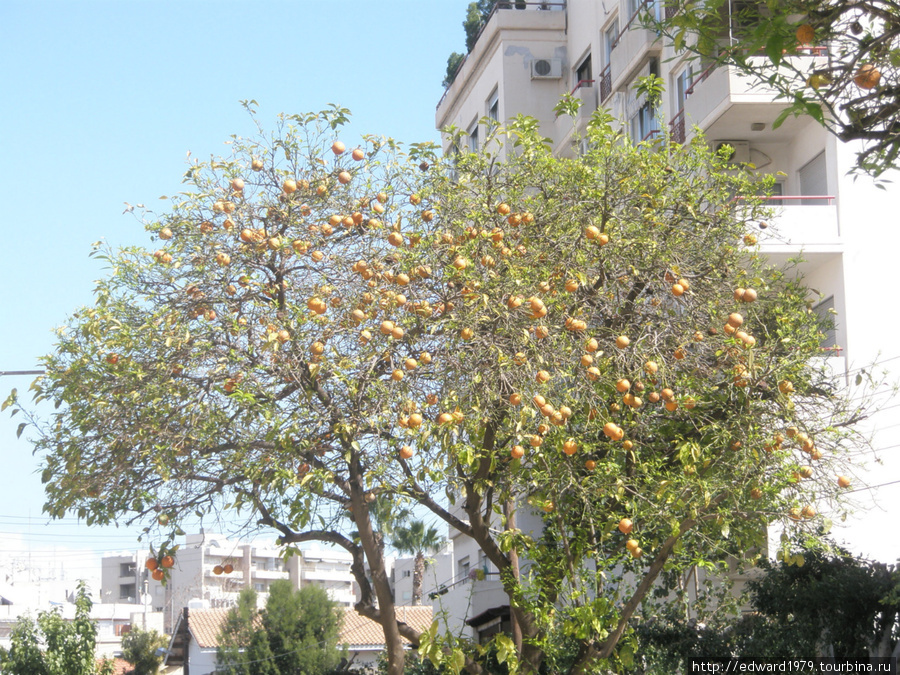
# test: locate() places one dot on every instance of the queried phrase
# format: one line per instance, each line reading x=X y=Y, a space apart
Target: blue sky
x=100 y=102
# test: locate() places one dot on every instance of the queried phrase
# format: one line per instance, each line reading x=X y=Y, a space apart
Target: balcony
x=801 y=222
x=470 y=595
x=723 y=100
x=633 y=45
x=325 y=575
x=269 y=574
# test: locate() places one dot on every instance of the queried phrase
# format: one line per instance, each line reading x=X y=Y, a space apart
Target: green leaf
x=20 y=429
x=775 y=48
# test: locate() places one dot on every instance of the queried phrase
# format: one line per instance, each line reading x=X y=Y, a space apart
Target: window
x=493 y=106
x=644 y=124
x=127 y=592
x=683 y=82
x=463 y=568
x=610 y=35
x=406 y=573
x=473 y=137
x=259 y=588
x=126 y=569
x=826 y=315
x=584 y=73
x=813 y=180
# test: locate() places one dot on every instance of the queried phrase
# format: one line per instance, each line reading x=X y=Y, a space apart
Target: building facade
x=526 y=59
x=201 y=575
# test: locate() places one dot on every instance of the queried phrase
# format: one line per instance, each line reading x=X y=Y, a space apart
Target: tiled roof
x=120 y=666
x=206 y=625
x=358 y=630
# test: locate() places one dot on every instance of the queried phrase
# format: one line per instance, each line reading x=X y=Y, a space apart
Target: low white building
x=192 y=650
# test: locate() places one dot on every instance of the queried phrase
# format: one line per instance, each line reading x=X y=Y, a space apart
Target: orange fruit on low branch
x=805 y=34
x=867 y=77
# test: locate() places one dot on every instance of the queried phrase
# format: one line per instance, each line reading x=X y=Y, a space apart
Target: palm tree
x=418 y=540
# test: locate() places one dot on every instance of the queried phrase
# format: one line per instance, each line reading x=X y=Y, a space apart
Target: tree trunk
x=373 y=547
x=418 y=574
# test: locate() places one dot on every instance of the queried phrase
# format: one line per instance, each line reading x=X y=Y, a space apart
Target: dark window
x=584 y=72
x=493 y=110
x=127 y=592
x=126 y=569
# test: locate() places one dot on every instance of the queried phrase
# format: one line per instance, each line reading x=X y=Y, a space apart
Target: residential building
x=212 y=569
x=113 y=622
x=438 y=573
x=845 y=228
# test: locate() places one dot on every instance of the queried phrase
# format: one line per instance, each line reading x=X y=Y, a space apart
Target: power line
x=872 y=487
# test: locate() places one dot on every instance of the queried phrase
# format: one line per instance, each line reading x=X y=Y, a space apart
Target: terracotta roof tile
x=358 y=630
x=206 y=625
x=120 y=666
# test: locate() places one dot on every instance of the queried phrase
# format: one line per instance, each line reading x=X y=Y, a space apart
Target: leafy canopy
x=296 y=633
x=326 y=337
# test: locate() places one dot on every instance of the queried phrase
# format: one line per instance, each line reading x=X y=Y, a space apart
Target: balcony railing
x=462 y=579
x=632 y=20
x=606 y=83
x=676 y=125
x=777 y=200
x=582 y=83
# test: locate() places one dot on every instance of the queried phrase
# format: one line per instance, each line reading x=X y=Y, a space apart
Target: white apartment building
x=847 y=230
x=199 y=577
x=439 y=573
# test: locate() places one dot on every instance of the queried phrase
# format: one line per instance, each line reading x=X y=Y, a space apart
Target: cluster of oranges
x=158 y=565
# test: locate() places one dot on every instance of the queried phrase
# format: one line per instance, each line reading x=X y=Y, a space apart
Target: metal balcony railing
x=463 y=579
x=676 y=125
x=643 y=6
x=606 y=83
x=582 y=83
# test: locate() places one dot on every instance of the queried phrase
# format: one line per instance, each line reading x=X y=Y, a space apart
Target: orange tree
x=327 y=334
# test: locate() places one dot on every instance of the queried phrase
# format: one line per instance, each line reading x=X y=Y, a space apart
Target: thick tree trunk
x=373 y=547
x=418 y=574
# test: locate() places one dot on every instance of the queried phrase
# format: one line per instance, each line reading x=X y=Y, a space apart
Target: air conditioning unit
x=740 y=150
x=546 y=69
